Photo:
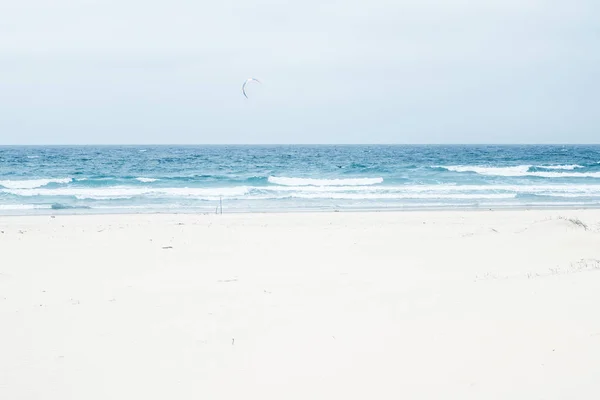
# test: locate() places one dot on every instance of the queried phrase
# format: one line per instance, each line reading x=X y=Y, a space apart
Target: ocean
x=113 y=179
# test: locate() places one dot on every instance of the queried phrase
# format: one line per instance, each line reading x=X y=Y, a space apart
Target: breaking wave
x=525 y=170
x=285 y=181
x=32 y=183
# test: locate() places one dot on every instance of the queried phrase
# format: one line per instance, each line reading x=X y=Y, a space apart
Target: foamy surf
x=565 y=167
x=524 y=170
x=285 y=181
x=31 y=183
x=18 y=207
x=311 y=192
x=146 y=180
x=117 y=193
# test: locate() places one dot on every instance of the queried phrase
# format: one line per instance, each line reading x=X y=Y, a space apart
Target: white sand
x=439 y=305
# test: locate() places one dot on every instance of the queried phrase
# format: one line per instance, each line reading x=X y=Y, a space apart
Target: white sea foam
x=425 y=191
x=316 y=192
x=565 y=167
x=123 y=192
x=590 y=189
x=285 y=181
x=387 y=196
x=522 y=170
x=147 y=180
x=32 y=183
x=519 y=170
x=9 y=207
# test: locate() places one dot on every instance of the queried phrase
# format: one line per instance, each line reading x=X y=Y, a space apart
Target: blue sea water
x=292 y=178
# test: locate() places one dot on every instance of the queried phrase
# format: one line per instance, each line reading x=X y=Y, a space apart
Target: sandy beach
x=414 y=305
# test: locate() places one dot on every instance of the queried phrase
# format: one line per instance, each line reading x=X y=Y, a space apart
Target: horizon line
x=291 y=144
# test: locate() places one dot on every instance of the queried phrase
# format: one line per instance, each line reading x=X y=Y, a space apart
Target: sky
x=332 y=71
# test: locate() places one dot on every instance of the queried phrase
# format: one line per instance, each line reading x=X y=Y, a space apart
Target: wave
x=56 y=206
x=107 y=181
x=285 y=181
x=325 y=192
x=117 y=193
x=442 y=188
x=386 y=196
x=562 y=167
x=147 y=180
x=32 y=183
x=59 y=206
x=524 y=170
x=15 y=207
x=133 y=180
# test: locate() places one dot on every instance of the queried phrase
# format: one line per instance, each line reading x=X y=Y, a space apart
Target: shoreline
x=417 y=209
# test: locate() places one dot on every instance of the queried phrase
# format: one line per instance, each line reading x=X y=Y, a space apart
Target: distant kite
x=245 y=83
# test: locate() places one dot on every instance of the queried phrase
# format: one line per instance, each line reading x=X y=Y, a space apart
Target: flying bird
x=246 y=82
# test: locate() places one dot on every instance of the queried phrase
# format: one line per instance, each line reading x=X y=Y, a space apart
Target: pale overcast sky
x=333 y=71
